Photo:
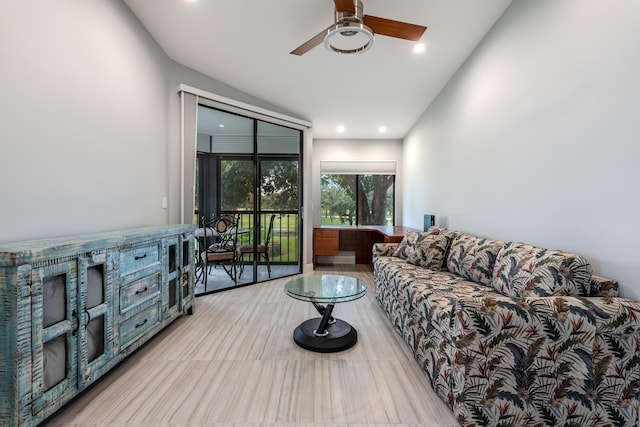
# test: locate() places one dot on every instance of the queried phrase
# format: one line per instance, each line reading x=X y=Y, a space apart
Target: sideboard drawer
x=137 y=258
x=138 y=325
x=136 y=293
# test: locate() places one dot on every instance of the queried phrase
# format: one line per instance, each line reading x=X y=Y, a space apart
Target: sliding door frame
x=190 y=97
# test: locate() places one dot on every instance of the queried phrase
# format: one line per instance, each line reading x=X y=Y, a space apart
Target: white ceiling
x=246 y=43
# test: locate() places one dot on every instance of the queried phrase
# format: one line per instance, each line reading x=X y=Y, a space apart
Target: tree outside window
x=357 y=199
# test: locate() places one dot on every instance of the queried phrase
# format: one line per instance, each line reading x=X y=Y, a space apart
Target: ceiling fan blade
x=397 y=29
x=345 y=6
x=311 y=43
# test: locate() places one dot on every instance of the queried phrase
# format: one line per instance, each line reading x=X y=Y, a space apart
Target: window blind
x=358 y=167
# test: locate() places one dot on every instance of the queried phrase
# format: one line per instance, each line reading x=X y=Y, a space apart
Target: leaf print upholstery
x=503 y=360
x=429 y=251
x=601 y=287
x=410 y=241
x=473 y=257
x=407 y=245
x=384 y=250
x=523 y=270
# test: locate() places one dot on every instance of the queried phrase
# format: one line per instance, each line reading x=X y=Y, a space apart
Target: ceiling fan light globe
x=350 y=38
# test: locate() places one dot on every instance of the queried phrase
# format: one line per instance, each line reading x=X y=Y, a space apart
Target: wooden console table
x=330 y=240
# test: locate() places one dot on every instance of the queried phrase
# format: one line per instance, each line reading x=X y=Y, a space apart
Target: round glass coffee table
x=325 y=334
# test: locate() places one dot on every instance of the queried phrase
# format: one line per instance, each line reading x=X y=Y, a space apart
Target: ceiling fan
x=352 y=33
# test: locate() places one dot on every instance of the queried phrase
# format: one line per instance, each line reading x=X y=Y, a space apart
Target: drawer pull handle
x=141 y=324
x=142 y=291
x=137 y=257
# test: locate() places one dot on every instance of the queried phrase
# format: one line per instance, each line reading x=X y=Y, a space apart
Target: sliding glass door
x=250 y=169
x=278 y=213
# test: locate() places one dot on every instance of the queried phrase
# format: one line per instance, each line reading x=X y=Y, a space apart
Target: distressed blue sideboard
x=72 y=308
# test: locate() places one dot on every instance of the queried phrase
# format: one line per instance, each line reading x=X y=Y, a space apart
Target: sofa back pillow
x=473 y=257
x=523 y=270
x=408 y=244
x=430 y=251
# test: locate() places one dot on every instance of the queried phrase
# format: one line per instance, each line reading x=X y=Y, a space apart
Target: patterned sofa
x=511 y=334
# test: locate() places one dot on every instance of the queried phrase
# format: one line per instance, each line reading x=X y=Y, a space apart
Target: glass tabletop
x=325 y=288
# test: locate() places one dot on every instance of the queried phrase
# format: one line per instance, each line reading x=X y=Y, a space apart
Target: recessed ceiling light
x=382 y=129
x=221 y=125
x=418 y=48
x=340 y=129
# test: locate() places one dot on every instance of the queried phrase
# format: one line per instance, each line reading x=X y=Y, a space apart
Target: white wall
x=83 y=120
x=89 y=120
x=537 y=137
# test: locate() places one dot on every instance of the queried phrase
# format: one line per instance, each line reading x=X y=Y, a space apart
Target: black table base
x=339 y=336
x=325 y=334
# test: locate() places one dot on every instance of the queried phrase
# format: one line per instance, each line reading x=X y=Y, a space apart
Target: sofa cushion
x=429 y=251
x=407 y=245
x=473 y=257
x=523 y=270
x=449 y=234
x=410 y=240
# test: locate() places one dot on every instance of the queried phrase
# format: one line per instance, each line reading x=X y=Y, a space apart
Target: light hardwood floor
x=234 y=363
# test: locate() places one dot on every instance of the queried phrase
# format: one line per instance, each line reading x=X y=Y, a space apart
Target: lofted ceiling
x=246 y=43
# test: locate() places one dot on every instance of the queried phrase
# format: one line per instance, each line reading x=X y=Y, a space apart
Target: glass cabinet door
x=187 y=272
x=173 y=273
x=55 y=322
x=179 y=275
x=95 y=304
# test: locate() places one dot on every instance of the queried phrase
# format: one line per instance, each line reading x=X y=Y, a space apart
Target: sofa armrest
x=602 y=287
x=383 y=249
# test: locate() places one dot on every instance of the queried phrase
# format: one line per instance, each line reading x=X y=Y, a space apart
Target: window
x=358 y=199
